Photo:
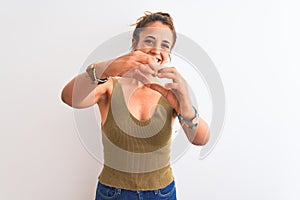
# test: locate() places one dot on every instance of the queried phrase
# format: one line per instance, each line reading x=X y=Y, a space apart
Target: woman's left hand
x=176 y=92
x=178 y=97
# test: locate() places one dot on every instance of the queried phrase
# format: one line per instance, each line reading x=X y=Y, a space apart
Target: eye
x=149 y=42
x=165 y=46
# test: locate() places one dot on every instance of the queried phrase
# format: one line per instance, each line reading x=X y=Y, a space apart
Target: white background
x=254 y=45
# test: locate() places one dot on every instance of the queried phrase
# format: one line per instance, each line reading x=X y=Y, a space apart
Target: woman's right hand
x=137 y=65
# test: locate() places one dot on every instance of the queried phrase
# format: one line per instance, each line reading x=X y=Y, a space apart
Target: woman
x=138 y=113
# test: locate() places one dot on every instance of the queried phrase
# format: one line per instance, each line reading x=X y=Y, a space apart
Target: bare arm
x=80 y=92
x=198 y=136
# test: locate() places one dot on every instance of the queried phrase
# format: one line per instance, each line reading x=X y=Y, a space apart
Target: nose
x=155 y=50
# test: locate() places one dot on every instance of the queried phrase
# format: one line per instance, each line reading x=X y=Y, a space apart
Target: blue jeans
x=104 y=192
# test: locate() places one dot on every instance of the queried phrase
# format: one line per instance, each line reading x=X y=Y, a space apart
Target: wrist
x=111 y=68
x=93 y=72
x=191 y=119
x=102 y=69
x=187 y=111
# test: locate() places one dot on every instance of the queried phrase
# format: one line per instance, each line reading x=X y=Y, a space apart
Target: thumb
x=161 y=89
x=167 y=93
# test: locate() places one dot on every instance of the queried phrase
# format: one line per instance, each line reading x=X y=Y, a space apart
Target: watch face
x=195 y=120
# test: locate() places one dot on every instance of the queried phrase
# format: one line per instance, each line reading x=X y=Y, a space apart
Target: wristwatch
x=91 y=70
x=192 y=121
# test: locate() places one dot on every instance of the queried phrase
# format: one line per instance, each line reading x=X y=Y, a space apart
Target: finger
x=167 y=75
x=155 y=67
x=131 y=65
x=174 y=86
x=136 y=64
x=170 y=95
x=138 y=75
x=168 y=70
x=148 y=72
x=151 y=62
x=146 y=69
x=144 y=58
x=161 y=89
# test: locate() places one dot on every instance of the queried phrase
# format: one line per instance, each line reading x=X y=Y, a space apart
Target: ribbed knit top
x=136 y=152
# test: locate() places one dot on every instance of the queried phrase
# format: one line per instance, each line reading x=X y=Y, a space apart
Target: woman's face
x=156 y=39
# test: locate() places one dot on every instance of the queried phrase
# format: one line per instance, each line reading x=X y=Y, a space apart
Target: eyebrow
x=152 y=37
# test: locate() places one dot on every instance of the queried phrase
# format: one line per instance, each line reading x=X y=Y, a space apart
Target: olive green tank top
x=136 y=153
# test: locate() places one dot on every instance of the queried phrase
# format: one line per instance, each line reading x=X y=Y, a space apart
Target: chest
x=143 y=104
